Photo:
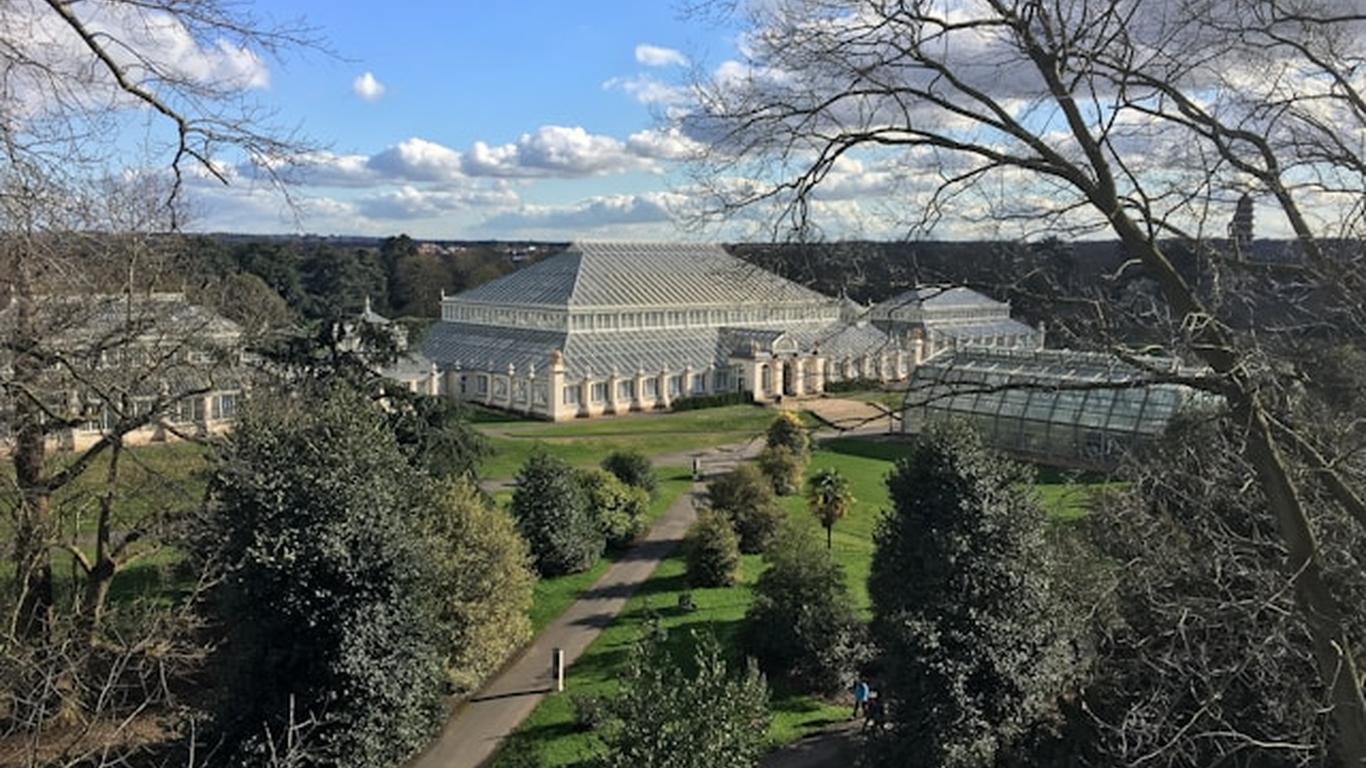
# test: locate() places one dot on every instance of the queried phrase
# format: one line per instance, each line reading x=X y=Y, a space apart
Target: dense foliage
x=633 y=468
x=696 y=715
x=620 y=511
x=554 y=517
x=486 y=580
x=329 y=605
x=711 y=551
x=745 y=497
x=801 y=627
x=699 y=402
x=788 y=431
x=963 y=614
x=783 y=467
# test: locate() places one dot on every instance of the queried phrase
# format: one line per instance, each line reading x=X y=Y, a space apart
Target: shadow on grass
x=889 y=449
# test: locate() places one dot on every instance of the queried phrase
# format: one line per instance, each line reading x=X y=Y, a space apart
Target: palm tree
x=829 y=499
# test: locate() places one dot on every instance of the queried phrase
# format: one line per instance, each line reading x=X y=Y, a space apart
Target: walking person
x=861 y=692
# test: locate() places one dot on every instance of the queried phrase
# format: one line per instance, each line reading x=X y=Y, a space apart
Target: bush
x=487 y=580
x=963 y=610
x=854 y=385
x=783 y=468
x=330 y=599
x=553 y=516
x=745 y=497
x=788 y=431
x=801 y=627
x=698 y=402
x=619 y=510
x=633 y=468
x=712 y=553
x=699 y=715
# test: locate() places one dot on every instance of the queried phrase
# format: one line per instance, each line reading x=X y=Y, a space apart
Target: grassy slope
x=551 y=727
x=585 y=442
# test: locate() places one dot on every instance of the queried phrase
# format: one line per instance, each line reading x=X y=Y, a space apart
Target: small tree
x=712 y=552
x=552 y=514
x=633 y=468
x=829 y=499
x=696 y=716
x=788 y=431
x=801 y=627
x=620 y=510
x=487 y=582
x=330 y=602
x=962 y=606
x=783 y=468
x=745 y=497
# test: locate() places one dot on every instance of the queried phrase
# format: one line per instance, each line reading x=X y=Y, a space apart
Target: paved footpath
x=479 y=725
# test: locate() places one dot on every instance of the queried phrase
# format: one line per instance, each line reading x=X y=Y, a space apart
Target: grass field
x=585 y=442
x=551 y=729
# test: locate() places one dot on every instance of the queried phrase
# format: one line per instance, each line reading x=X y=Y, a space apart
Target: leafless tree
x=1140 y=118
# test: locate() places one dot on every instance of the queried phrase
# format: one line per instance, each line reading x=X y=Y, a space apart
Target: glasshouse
x=1048 y=406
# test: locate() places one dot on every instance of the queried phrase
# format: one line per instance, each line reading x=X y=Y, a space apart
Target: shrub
x=782 y=468
x=330 y=599
x=712 y=553
x=787 y=430
x=854 y=385
x=963 y=609
x=552 y=514
x=697 y=715
x=633 y=468
x=801 y=627
x=619 y=510
x=745 y=497
x=698 y=402
x=487 y=580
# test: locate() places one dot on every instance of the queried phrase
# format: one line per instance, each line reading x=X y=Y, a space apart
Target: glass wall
x=1060 y=407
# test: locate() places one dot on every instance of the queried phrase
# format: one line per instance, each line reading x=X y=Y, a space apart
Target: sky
x=478 y=119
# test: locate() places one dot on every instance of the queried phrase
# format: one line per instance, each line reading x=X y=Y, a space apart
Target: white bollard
x=557 y=668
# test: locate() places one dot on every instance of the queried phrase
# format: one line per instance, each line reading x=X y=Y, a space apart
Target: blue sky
x=547 y=88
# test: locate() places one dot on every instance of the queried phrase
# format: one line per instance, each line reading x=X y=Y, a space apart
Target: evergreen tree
x=963 y=614
x=745 y=498
x=554 y=517
x=329 y=604
x=788 y=431
x=712 y=553
x=633 y=468
x=620 y=510
x=801 y=626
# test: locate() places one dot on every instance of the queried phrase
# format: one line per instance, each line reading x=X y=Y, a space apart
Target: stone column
x=555 y=381
x=664 y=398
x=531 y=389
x=586 y=394
x=639 y=404
x=612 y=392
x=488 y=379
x=755 y=372
x=512 y=385
x=817 y=375
x=687 y=382
x=779 y=373
x=899 y=365
x=798 y=372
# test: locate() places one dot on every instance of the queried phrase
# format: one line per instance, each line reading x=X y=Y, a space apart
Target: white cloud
x=553 y=150
x=592 y=213
x=656 y=56
x=667 y=144
x=367 y=87
x=410 y=202
x=648 y=90
x=418 y=160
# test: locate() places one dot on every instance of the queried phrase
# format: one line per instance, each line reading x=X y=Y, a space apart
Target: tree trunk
x=103 y=566
x=32 y=557
x=829 y=537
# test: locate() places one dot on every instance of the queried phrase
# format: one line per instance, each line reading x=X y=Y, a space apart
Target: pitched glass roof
x=590 y=274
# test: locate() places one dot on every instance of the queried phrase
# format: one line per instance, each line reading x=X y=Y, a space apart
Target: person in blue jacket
x=861 y=692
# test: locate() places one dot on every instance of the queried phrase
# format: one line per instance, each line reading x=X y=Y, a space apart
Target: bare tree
x=1081 y=116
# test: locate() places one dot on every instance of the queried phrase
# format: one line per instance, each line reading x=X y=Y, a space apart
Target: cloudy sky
x=472 y=120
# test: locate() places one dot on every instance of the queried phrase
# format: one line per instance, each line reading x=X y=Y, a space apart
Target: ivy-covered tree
x=553 y=516
x=487 y=582
x=788 y=431
x=694 y=715
x=329 y=606
x=801 y=626
x=963 y=612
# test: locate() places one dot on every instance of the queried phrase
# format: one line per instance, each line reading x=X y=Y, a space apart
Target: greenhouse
x=1058 y=407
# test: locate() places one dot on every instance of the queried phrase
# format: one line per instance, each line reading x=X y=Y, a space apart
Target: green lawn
x=585 y=442
x=551 y=729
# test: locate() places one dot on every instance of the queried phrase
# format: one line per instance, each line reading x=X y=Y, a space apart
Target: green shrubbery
x=787 y=430
x=620 y=511
x=697 y=402
x=553 y=515
x=712 y=552
x=487 y=582
x=801 y=627
x=782 y=468
x=695 y=715
x=745 y=498
x=853 y=385
x=330 y=601
x=633 y=468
